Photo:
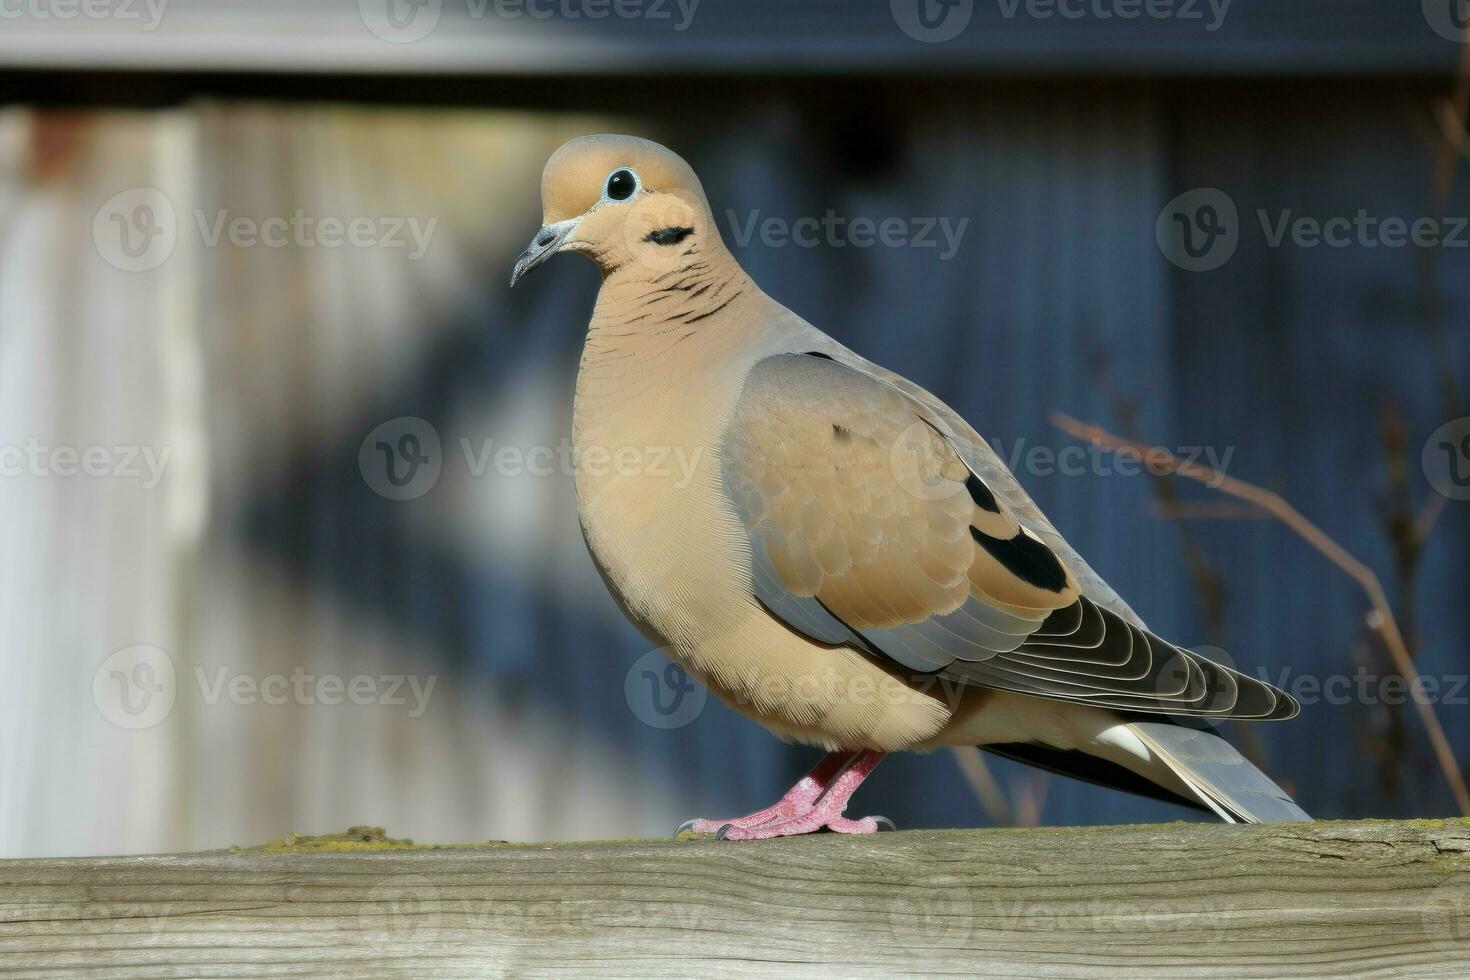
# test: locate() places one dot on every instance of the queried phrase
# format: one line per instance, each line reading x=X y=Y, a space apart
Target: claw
x=884 y=823
x=686 y=825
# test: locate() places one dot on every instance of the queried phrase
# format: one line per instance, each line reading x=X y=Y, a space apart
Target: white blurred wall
x=227 y=363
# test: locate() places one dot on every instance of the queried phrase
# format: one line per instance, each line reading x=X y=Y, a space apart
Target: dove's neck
x=665 y=357
x=655 y=332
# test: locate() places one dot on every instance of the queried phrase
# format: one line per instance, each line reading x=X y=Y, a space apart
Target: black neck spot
x=668 y=236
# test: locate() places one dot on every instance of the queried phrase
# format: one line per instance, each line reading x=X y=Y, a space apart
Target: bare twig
x=1452 y=117
x=1428 y=514
x=1031 y=799
x=1199 y=510
x=1383 y=619
x=1209 y=587
x=972 y=765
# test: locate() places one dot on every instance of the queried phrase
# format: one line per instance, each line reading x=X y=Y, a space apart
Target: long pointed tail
x=1222 y=778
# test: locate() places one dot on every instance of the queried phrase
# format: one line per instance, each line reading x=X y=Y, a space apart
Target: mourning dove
x=846 y=562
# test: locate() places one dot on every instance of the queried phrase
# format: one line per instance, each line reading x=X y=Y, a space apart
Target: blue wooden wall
x=1285 y=356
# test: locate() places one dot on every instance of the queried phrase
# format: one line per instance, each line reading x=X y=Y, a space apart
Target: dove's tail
x=1158 y=759
x=1217 y=775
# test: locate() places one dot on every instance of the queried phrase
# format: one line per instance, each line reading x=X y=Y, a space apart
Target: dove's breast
x=659 y=526
x=651 y=507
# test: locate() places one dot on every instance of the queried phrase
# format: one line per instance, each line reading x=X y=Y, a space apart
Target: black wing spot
x=981 y=494
x=817 y=353
x=668 y=236
x=1026 y=558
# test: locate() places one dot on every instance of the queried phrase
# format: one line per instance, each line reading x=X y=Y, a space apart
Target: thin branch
x=982 y=782
x=1428 y=514
x=1198 y=510
x=1452 y=118
x=1031 y=799
x=1383 y=619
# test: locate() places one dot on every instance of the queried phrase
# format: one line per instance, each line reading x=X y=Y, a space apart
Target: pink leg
x=798 y=799
x=827 y=811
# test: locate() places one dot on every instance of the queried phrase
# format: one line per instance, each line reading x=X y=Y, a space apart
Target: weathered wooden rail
x=1373 y=898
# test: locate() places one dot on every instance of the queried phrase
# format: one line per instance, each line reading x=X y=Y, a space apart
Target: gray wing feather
x=806 y=614
x=1220 y=775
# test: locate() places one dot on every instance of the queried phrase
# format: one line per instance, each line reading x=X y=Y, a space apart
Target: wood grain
x=1369 y=898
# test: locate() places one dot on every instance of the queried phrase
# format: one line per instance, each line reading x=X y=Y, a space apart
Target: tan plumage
x=850 y=565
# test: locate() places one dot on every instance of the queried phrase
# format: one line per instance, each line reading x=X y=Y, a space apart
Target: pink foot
x=798 y=799
x=825 y=812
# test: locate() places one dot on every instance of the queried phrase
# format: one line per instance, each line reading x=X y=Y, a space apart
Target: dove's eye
x=621 y=185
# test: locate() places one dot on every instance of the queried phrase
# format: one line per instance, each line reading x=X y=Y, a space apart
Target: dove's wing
x=869 y=527
x=982 y=460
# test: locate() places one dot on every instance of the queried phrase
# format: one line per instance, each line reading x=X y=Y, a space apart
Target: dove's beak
x=543 y=246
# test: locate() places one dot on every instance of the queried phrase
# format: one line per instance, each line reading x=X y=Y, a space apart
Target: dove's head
x=625 y=202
